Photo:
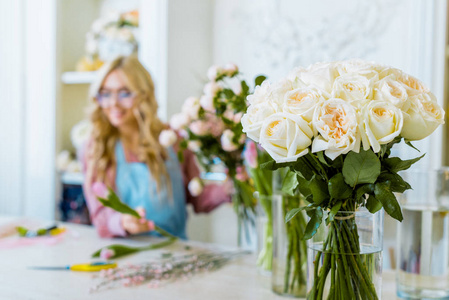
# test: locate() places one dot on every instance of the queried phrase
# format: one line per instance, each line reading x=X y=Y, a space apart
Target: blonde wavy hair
x=101 y=155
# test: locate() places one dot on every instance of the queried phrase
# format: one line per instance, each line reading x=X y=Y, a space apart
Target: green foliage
x=362 y=167
x=290 y=183
x=395 y=164
x=316 y=217
x=338 y=189
x=372 y=204
x=259 y=80
x=383 y=193
x=114 y=202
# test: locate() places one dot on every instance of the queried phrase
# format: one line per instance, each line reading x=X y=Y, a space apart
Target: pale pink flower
x=212 y=88
x=195 y=187
x=179 y=120
x=106 y=253
x=238 y=117
x=226 y=141
x=207 y=103
x=167 y=138
x=194 y=146
x=213 y=72
x=100 y=190
x=216 y=126
x=191 y=107
x=241 y=174
x=198 y=128
x=250 y=154
x=230 y=69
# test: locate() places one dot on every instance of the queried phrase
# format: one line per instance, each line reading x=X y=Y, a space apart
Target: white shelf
x=72 y=178
x=78 y=77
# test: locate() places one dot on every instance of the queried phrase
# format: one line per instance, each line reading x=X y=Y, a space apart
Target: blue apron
x=136 y=187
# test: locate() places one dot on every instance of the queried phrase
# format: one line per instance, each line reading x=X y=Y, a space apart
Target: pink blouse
x=108 y=222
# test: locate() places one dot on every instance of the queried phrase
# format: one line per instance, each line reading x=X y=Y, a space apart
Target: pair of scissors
x=89 y=267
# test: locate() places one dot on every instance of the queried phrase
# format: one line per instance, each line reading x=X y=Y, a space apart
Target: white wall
x=28 y=44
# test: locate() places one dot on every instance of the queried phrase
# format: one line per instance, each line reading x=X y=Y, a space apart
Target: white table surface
x=237 y=280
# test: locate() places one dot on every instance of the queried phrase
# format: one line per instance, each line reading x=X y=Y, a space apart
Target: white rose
x=353 y=88
x=195 y=187
x=286 y=137
x=411 y=84
x=321 y=75
x=382 y=122
x=226 y=141
x=261 y=93
x=211 y=88
x=178 y=121
x=336 y=122
x=194 y=146
x=358 y=66
x=213 y=72
x=278 y=91
x=302 y=102
x=167 y=138
x=391 y=90
x=422 y=118
x=253 y=119
x=207 y=103
x=191 y=107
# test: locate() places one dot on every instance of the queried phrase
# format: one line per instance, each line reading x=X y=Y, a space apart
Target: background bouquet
x=211 y=128
x=334 y=124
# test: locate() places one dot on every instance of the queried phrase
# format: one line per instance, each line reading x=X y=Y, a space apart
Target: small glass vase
x=345 y=257
x=288 y=275
x=422 y=269
x=264 y=228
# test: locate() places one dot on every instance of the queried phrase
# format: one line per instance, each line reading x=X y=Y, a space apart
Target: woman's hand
x=134 y=225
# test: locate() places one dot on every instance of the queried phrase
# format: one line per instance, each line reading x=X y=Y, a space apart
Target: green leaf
x=397 y=184
x=316 y=217
x=321 y=158
x=290 y=183
x=119 y=250
x=364 y=189
x=113 y=201
x=303 y=186
x=408 y=143
x=395 y=164
x=338 y=189
x=333 y=212
x=373 y=205
x=245 y=88
x=273 y=166
x=292 y=213
x=301 y=166
x=319 y=190
x=362 y=167
x=383 y=193
x=259 y=79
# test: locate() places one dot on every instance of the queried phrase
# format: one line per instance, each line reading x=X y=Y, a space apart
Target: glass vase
x=264 y=228
x=345 y=257
x=422 y=269
x=289 y=264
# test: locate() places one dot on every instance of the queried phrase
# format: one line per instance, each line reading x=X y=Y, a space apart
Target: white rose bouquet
x=210 y=127
x=334 y=124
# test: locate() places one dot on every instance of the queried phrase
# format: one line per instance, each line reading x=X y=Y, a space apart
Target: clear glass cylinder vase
x=422 y=269
x=264 y=230
x=288 y=276
x=345 y=257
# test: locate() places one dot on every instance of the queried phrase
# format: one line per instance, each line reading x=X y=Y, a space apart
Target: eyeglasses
x=124 y=98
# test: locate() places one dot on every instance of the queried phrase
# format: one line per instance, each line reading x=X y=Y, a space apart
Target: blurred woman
x=124 y=153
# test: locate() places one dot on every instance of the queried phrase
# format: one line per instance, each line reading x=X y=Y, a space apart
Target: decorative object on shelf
x=66 y=162
x=263 y=182
x=111 y=200
x=170 y=269
x=334 y=124
x=423 y=237
x=211 y=128
x=111 y=35
x=52 y=230
x=289 y=276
